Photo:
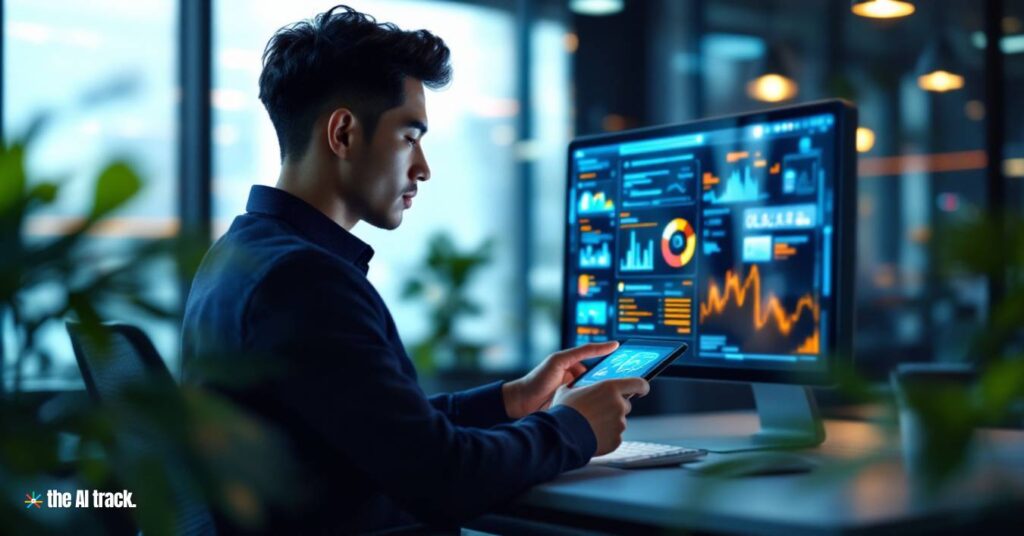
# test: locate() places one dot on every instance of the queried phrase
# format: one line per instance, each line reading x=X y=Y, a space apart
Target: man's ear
x=342 y=127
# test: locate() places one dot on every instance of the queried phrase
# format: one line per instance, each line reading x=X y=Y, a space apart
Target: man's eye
x=412 y=141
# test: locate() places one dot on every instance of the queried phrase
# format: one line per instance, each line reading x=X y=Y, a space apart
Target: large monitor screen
x=721 y=233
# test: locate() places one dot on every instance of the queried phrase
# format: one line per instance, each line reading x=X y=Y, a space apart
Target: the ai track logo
x=33 y=499
x=82 y=498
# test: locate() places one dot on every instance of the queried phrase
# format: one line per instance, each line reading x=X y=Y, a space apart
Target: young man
x=287 y=286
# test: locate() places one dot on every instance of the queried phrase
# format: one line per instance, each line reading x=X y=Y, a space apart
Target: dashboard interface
x=722 y=238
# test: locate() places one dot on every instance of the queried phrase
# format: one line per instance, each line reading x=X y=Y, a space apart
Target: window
x=57 y=56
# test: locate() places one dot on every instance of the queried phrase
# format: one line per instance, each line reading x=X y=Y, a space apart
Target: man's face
x=388 y=170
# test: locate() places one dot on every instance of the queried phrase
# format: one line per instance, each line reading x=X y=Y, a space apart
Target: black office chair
x=128 y=358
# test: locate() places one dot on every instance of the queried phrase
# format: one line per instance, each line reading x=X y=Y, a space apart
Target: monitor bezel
x=839 y=354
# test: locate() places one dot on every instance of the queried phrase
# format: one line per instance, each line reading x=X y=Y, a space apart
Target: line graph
x=812 y=345
x=762 y=312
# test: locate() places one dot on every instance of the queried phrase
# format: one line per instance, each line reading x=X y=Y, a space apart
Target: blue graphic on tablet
x=626 y=362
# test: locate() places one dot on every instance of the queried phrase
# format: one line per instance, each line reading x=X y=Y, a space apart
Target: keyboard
x=634 y=454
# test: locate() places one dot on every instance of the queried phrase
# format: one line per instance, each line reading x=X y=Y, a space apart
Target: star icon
x=33 y=499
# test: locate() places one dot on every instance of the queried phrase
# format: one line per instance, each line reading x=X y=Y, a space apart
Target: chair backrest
x=128 y=357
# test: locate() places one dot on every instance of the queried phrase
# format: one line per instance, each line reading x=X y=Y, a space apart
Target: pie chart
x=678 y=243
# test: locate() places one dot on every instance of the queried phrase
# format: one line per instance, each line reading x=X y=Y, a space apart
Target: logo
x=33 y=499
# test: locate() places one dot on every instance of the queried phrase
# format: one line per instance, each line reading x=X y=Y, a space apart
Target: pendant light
x=774 y=82
x=883 y=9
x=935 y=68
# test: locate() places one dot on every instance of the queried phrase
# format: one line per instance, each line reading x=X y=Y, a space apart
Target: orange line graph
x=772 y=310
x=810 y=346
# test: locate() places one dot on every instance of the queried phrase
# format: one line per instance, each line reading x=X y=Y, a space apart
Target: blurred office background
x=529 y=76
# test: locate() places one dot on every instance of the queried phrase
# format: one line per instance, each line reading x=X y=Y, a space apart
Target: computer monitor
x=733 y=234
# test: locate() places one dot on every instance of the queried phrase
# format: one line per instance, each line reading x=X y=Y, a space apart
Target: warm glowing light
x=772 y=88
x=571 y=42
x=865 y=139
x=883 y=9
x=1013 y=167
x=613 y=123
x=940 y=81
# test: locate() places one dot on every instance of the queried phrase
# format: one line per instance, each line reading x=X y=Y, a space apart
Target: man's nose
x=421 y=171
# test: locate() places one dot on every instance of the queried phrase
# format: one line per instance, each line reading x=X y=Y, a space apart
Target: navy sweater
x=285 y=290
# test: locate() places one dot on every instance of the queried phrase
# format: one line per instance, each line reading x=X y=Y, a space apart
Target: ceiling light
x=934 y=69
x=596 y=8
x=940 y=81
x=865 y=139
x=883 y=9
x=773 y=83
x=772 y=87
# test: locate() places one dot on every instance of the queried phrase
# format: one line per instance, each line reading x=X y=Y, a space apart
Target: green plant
x=946 y=413
x=155 y=440
x=442 y=285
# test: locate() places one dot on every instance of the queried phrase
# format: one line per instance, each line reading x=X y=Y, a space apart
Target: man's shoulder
x=256 y=247
x=256 y=251
x=263 y=260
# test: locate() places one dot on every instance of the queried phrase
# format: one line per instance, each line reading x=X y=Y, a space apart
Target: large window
x=105 y=73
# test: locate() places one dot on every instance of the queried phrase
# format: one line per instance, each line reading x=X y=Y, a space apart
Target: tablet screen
x=630 y=360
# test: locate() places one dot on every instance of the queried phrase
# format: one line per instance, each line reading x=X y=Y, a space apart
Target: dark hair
x=343 y=57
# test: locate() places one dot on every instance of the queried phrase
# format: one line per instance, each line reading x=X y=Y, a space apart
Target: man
x=287 y=285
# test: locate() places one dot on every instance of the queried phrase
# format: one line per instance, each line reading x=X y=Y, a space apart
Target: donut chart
x=678 y=243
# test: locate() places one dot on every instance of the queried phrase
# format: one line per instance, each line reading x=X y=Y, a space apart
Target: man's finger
x=586 y=351
x=631 y=386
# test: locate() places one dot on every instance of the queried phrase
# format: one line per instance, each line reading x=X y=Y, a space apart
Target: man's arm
x=345 y=382
x=480 y=407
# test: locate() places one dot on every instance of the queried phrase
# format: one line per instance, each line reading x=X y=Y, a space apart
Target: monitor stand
x=789 y=419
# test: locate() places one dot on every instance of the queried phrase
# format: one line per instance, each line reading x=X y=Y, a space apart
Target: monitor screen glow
x=719 y=233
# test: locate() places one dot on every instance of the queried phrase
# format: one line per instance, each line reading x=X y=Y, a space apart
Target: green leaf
x=45 y=192
x=12 y=180
x=413 y=289
x=117 y=184
x=1001 y=385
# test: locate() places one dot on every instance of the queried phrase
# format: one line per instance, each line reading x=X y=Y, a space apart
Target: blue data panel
x=719 y=238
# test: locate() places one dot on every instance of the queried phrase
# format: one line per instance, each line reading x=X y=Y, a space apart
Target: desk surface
x=862 y=484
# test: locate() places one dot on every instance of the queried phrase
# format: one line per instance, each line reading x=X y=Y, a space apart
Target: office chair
x=130 y=358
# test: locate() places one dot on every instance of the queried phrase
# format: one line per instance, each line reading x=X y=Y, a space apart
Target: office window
x=471 y=150
x=924 y=173
x=57 y=56
x=551 y=70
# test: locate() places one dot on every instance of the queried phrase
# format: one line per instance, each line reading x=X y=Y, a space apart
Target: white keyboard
x=632 y=454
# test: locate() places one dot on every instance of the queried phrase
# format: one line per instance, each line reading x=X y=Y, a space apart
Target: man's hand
x=535 y=391
x=605 y=405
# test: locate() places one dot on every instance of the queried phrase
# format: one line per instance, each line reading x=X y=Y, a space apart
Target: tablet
x=644 y=358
